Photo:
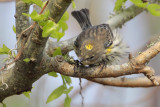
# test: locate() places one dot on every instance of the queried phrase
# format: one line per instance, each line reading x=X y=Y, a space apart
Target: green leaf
x=63 y=25
x=37 y=2
x=27 y=94
x=119 y=4
x=54 y=74
x=4 y=105
x=68 y=90
x=56 y=93
x=49 y=28
x=65 y=16
x=64 y=83
x=44 y=3
x=73 y=4
x=38 y=17
x=14 y=28
x=27 y=1
x=139 y=3
x=154 y=9
x=35 y=16
x=26 y=60
x=67 y=79
x=4 y=49
x=67 y=101
x=57 y=52
x=26 y=14
x=57 y=35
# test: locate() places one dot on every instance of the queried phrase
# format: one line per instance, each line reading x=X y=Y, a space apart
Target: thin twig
x=80 y=84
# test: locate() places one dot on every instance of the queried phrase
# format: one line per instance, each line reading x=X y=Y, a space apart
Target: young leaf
x=118 y=4
x=27 y=94
x=26 y=60
x=57 y=52
x=65 y=16
x=14 y=28
x=37 y=2
x=154 y=9
x=54 y=74
x=73 y=4
x=67 y=79
x=57 y=35
x=68 y=90
x=63 y=25
x=26 y=14
x=44 y=3
x=4 y=105
x=37 y=17
x=49 y=28
x=139 y=3
x=67 y=101
x=4 y=49
x=56 y=93
x=27 y=1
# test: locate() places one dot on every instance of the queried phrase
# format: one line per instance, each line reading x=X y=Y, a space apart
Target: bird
x=97 y=44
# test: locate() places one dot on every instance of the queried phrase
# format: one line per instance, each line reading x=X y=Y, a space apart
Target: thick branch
x=22 y=22
x=21 y=75
x=134 y=66
x=119 y=19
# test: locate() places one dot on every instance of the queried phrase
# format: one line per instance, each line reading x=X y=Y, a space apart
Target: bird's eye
x=107 y=44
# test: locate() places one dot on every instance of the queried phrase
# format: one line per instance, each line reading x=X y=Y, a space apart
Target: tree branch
x=126 y=82
x=22 y=22
x=134 y=66
x=20 y=76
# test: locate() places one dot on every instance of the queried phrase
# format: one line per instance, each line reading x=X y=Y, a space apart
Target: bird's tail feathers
x=82 y=18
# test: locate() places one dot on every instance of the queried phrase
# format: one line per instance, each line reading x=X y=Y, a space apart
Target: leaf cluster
x=153 y=8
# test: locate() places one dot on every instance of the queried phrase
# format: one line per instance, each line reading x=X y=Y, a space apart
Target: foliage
x=26 y=60
x=4 y=105
x=63 y=89
x=57 y=52
x=14 y=29
x=154 y=9
x=27 y=94
x=67 y=101
x=119 y=4
x=73 y=4
x=4 y=49
x=49 y=27
x=53 y=74
x=37 y=2
x=56 y=93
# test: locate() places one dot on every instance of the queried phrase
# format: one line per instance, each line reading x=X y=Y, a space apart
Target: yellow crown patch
x=108 y=50
x=89 y=46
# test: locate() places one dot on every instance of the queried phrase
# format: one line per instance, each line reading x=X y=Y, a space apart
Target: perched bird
x=96 y=45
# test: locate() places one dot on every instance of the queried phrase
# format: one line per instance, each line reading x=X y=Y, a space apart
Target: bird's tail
x=82 y=18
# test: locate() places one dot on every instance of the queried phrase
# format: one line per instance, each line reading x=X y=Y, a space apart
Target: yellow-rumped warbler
x=96 y=44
